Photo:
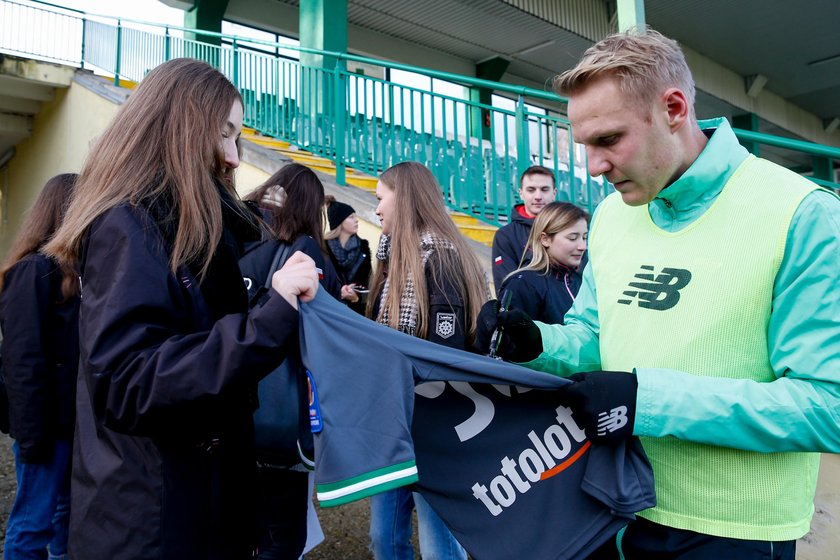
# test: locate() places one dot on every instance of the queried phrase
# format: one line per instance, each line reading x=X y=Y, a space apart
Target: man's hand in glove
x=604 y=402
x=518 y=338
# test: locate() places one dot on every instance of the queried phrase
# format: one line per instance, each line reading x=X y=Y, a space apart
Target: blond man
x=707 y=323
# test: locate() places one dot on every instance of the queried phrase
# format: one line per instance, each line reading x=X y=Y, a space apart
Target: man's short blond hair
x=645 y=62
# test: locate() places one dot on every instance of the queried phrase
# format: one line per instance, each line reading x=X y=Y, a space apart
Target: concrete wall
x=61 y=134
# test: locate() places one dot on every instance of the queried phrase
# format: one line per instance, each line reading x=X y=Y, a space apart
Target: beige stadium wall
x=61 y=134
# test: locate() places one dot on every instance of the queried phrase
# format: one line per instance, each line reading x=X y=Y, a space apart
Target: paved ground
x=346 y=526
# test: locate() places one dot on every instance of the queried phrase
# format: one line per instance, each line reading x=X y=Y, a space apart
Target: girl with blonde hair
x=428 y=284
x=546 y=287
x=349 y=253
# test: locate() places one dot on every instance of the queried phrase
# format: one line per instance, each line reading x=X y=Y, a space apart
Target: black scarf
x=345 y=257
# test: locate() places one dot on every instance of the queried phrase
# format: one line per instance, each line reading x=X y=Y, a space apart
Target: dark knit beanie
x=337 y=213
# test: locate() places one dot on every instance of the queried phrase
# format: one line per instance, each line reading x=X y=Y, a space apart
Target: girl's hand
x=298 y=278
x=348 y=292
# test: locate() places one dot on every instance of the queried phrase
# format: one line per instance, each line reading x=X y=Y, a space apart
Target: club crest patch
x=445 y=325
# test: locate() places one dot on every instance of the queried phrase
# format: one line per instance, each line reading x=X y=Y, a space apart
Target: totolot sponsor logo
x=546 y=456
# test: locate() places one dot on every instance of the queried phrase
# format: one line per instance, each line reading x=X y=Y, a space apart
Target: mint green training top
x=800 y=410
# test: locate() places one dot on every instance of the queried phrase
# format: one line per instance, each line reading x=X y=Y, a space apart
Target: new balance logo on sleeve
x=613 y=420
x=659 y=292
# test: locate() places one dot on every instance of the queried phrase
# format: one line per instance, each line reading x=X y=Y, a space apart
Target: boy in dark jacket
x=537 y=187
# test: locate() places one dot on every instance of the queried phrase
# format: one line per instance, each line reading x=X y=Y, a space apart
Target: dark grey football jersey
x=490 y=446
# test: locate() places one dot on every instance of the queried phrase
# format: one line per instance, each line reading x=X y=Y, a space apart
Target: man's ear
x=677 y=108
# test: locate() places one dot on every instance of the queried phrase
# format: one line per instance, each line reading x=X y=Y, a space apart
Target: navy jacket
x=163 y=462
x=447 y=315
x=40 y=356
x=544 y=297
x=509 y=243
x=257 y=260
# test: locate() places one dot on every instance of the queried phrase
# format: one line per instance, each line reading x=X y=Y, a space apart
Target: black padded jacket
x=40 y=356
x=163 y=461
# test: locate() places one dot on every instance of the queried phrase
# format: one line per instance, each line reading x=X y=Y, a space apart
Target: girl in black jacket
x=163 y=461
x=546 y=287
x=292 y=200
x=428 y=284
x=39 y=312
x=349 y=253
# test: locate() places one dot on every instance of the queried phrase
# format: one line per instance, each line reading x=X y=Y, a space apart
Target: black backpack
x=281 y=423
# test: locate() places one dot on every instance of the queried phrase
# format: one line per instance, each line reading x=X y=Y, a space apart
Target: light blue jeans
x=40 y=516
x=390 y=528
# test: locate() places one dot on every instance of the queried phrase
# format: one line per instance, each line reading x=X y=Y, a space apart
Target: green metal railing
x=476 y=151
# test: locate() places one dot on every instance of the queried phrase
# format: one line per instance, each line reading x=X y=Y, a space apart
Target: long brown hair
x=302 y=209
x=164 y=142
x=418 y=209
x=41 y=223
x=552 y=219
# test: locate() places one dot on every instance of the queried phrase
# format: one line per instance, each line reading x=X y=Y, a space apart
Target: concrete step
x=359 y=179
x=470 y=226
x=479 y=232
x=272 y=143
x=465 y=219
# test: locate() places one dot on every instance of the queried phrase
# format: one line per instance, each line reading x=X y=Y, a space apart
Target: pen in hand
x=496 y=339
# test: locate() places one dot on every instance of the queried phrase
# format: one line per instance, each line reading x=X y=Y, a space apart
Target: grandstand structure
x=351 y=87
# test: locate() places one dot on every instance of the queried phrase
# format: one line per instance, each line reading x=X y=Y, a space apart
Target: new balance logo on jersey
x=657 y=291
x=613 y=420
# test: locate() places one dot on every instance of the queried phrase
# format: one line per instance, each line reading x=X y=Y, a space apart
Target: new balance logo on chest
x=656 y=291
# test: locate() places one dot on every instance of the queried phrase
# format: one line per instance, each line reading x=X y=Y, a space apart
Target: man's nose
x=596 y=164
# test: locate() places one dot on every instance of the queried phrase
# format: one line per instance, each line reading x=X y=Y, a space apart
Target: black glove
x=519 y=339
x=604 y=402
x=485 y=324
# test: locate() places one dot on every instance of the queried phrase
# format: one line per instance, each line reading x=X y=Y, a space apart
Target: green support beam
x=748 y=121
x=323 y=26
x=631 y=13
x=491 y=70
x=823 y=168
x=206 y=15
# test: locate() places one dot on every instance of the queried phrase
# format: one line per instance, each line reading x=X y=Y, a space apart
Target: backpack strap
x=280 y=257
x=259 y=295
